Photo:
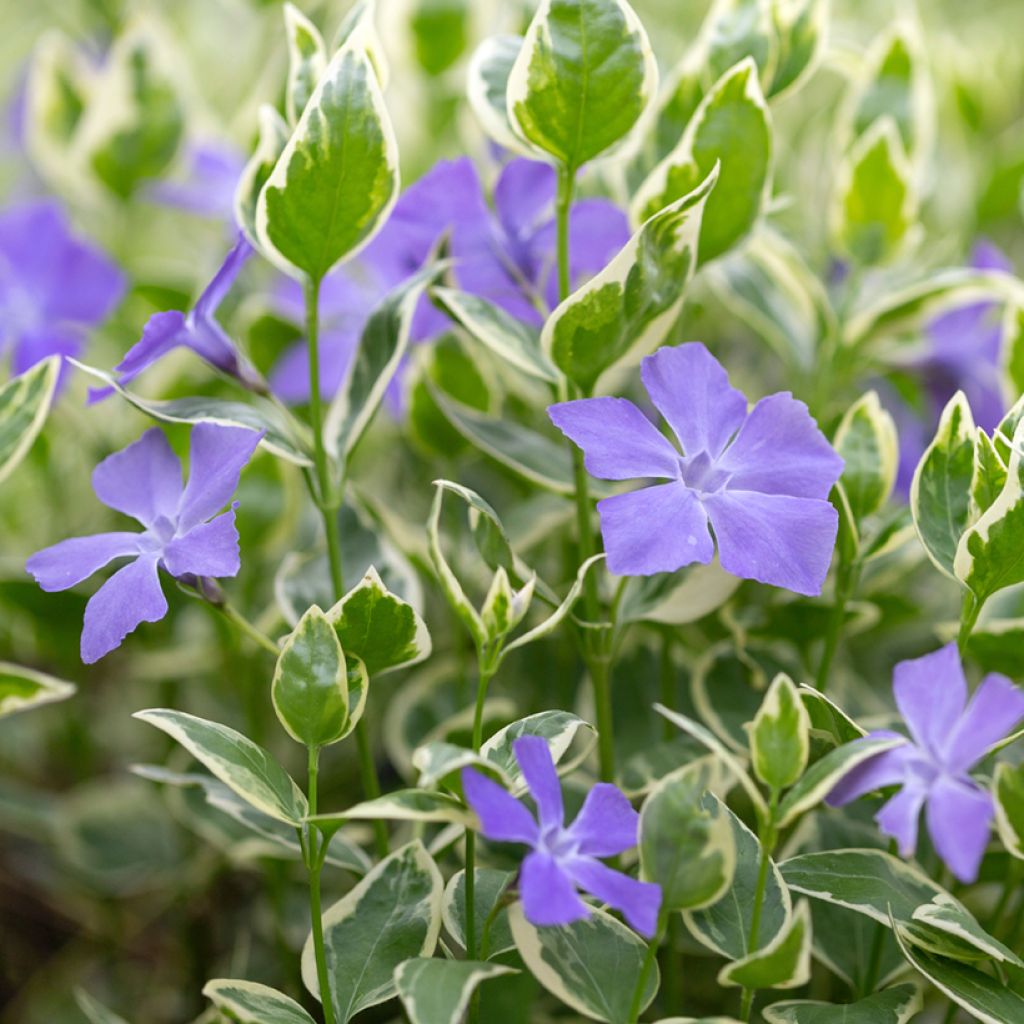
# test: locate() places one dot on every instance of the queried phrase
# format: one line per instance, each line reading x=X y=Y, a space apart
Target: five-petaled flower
x=183 y=533
x=53 y=286
x=564 y=858
x=761 y=478
x=948 y=737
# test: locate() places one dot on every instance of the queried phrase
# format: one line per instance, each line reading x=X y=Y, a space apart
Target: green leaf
x=513 y=341
x=487 y=87
x=490 y=887
x=1008 y=790
x=400 y=805
x=632 y=304
x=866 y=439
x=25 y=401
x=940 y=494
x=337 y=178
x=785 y=962
x=488 y=531
x=989 y=476
x=801 y=27
x=828 y=720
x=896 y=1005
x=731 y=127
x=875 y=204
x=1013 y=347
x=280 y=437
x=503 y=608
x=990 y=557
x=392 y=915
x=584 y=75
x=686 y=843
x=25 y=688
x=307 y=61
x=239 y=763
x=592 y=965
x=725 y=926
x=134 y=121
x=438 y=991
x=876 y=884
x=440 y=30
x=310 y=685
x=272 y=137
x=378 y=627
x=981 y=995
x=820 y=779
x=677 y=598
x=779 y=736
x=734 y=30
x=250 y=1003
x=95 y=1012
x=382 y=345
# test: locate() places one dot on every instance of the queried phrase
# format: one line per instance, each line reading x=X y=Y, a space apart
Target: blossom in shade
x=183 y=533
x=54 y=287
x=505 y=254
x=948 y=736
x=564 y=859
x=198 y=330
x=759 y=479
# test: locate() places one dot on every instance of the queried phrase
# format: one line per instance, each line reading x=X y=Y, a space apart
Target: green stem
x=667 y=683
x=483 y=681
x=244 y=626
x=670 y=969
x=969 y=612
x=600 y=678
x=314 y=862
x=767 y=838
x=563 y=203
x=645 y=969
x=846 y=582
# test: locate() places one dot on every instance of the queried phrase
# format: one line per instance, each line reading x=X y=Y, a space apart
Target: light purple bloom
x=948 y=737
x=761 y=478
x=506 y=255
x=183 y=533
x=207 y=186
x=53 y=286
x=197 y=330
x=564 y=859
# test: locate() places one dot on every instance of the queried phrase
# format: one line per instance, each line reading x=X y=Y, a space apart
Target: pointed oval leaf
x=785 y=962
x=866 y=440
x=250 y=1003
x=239 y=763
x=780 y=735
x=801 y=27
x=337 y=177
x=896 y=1005
x=591 y=965
x=95 y=1012
x=392 y=915
x=629 y=307
x=487 y=88
x=731 y=126
x=272 y=136
x=307 y=61
x=1008 y=790
x=490 y=887
x=25 y=402
x=400 y=805
x=25 y=688
x=584 y=75
x=435 y=991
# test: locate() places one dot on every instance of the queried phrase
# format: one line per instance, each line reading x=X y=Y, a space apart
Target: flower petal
x=780 y=450
x=220 y=284
x=131 y=596
x=538 y=768
x=884 y=769
x=89 y=285
x=216 y=457
x=549 y=897
x=163 y=332
x=638 y=901
x=692 y=391
x=996 y=707
x=655 y=529
x=523 y=195
x=33 y=347
x=142 y=481
x=931 y=692
x=898 y=818
x=209 y=549
x=502 y=818
x=607 y=823
x=63 y=565
x=619 y=442
x=774 y=538
x=959 y=817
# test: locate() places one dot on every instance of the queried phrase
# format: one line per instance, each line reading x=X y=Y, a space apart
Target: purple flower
x=207 y=187
x=183 y=533
x=53 y=286
x=564 y=859
x=948 y=737
x=760 y=478
x=197 y=330
x=507 y=256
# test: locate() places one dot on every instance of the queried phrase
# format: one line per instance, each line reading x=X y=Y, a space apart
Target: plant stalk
x=969 y=612
x=314 y=862
x=483 y=682
x=645 y=970
x=767 y=837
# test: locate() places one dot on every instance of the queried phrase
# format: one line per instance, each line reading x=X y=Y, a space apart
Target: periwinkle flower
x=564 y=858
x=207 y=185
x=183 y=535
x=760 y=479
x=506 y=255
x=948 y=737
x=54 y=287
x=198 y=330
